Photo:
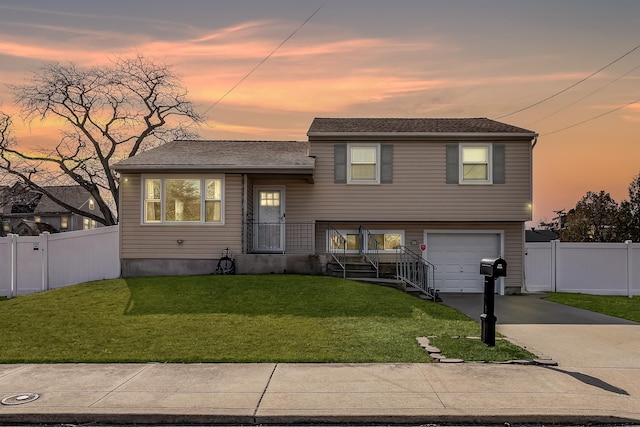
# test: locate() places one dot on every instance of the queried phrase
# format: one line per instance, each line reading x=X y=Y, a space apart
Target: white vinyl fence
x=588 y=268
x=30 y=264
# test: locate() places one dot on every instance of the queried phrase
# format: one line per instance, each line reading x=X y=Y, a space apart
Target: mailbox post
x=491 y=269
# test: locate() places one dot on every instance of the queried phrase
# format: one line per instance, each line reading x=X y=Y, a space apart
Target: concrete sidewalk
x=314 y=393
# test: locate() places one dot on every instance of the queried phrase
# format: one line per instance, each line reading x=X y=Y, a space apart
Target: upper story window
x=182 y=200
x=475 y=164
x=363 y=164
x=92 y=204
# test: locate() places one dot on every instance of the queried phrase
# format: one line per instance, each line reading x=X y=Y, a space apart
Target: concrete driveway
x=570 y=336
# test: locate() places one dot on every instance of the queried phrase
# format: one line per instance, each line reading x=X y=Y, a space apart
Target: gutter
x=427 y=134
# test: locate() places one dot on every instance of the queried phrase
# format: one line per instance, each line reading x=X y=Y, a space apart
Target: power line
x=263 y=60
x=584 y=97
x=571 y=86
x=592 y=118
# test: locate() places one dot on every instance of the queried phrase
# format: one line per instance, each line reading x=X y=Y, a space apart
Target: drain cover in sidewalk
x=19 y=399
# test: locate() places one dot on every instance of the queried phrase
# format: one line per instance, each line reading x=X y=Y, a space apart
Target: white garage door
x=457 y=259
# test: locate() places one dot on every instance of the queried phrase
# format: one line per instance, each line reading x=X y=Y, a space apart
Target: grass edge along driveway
x=611 y=305
x=265 y=318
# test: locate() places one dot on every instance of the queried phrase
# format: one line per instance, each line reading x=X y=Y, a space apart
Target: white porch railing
x=338 y=248
x=414 y=270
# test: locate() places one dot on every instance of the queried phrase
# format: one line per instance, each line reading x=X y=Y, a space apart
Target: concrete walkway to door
x=572 y=337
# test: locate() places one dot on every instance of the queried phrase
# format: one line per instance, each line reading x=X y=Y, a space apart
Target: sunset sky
x=372 y=58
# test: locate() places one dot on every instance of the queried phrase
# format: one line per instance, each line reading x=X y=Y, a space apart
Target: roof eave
x=297 y=170
x=422 y=135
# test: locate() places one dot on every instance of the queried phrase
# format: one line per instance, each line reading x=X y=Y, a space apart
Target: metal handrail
x=371 y=254
x=296 y=237
x=338 y=247
x=414 y=270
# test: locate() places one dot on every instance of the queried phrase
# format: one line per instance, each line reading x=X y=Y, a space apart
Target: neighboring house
x=458 y=190
x=539 y=236
x=29 y=212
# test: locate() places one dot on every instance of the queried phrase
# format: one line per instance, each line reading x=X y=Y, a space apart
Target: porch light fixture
x=180 y=241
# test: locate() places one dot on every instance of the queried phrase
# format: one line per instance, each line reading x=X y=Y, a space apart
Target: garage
x=457 y=256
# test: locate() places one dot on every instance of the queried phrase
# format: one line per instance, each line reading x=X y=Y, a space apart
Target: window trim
x=203 y=199
x=461 y=163
x=378 y=162
x=346 y=232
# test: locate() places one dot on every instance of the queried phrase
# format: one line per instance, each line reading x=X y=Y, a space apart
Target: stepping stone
x=423 y=341
x=447 y=360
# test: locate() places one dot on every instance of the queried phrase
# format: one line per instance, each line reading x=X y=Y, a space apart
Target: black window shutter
x=498 y=163
x=453 y=174
x=386 y=164
x=340 y=163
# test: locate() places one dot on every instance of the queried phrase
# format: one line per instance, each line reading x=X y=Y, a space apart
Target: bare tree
x=108 y=113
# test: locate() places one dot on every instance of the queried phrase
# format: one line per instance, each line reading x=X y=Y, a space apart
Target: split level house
x=437 y=194
x=29 y=212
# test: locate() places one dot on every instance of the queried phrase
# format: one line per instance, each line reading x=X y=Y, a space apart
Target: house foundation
x=313 y=264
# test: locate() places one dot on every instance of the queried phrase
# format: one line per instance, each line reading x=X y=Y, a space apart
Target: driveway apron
x=572 y=337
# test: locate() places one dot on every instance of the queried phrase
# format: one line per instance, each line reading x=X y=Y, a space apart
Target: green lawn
x=272 y=318
x=617 y=306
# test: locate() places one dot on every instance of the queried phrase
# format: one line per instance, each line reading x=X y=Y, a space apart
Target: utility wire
x=592 y=118
x=584 y=97
x=571 y=86
x=263 y=60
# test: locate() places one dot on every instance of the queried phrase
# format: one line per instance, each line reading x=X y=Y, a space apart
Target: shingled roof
x=411 y=125
x=20 y=199
x=222 y=155
x=74 y=195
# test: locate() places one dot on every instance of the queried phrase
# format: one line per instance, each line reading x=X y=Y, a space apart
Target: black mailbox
x=493 y=267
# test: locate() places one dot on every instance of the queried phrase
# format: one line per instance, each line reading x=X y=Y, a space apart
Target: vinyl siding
x=140 y=241
x=419 y=190
x=513 y=240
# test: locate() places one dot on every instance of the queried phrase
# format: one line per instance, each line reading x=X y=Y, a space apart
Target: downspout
x=524 y=258
x=243 y=211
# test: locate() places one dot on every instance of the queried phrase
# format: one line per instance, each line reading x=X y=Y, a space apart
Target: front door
x=268 y=230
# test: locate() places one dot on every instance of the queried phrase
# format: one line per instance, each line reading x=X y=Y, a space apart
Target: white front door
x=268 y=232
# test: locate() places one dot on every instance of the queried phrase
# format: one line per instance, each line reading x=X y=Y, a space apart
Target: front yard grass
x=617 y=306
x=272 y=318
